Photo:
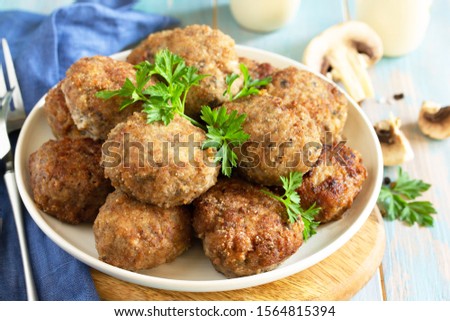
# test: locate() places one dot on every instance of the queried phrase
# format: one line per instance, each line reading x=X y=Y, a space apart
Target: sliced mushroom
x=344 y=52
x=394 y=144
x=434 y=120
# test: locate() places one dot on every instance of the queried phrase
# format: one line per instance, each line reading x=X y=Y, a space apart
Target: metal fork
x=11 y=120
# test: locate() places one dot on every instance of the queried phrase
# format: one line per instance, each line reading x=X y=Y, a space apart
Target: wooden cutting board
x=338 y=277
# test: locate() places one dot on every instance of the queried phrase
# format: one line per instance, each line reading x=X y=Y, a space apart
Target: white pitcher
x=401 y=24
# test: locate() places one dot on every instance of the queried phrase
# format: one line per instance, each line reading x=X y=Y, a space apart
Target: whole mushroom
x=434 y=121
x=344 y=52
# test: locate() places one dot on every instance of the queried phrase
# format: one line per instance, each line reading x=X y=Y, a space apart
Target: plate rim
x=204 y=285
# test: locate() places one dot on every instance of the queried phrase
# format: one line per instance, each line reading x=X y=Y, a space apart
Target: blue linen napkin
x=43 y=47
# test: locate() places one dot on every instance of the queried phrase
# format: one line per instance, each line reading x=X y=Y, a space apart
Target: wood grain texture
x=338 y=277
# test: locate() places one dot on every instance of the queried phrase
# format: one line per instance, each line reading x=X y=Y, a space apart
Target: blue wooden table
x=416 y=264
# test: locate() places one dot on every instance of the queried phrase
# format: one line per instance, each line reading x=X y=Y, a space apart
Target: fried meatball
x=334 y=182
x=67 y=181
x=256 y=69
x=58 y=115
x=207 y=49
x=158 y=164
x=93 y=115
x=243 y=230
x=326 y=104
x=137 y=236
x=283 y=138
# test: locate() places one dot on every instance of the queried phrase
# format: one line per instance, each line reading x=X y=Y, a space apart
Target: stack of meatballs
x=148 y=198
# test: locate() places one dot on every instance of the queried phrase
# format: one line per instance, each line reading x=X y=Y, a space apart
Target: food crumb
x=398 y=96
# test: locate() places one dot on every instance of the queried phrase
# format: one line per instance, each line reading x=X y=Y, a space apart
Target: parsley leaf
x=250 y=86
x=167 y=97
x=395 y=201
x=310 y=226
x=224 y=133
x=410 y=188
x=291 y=200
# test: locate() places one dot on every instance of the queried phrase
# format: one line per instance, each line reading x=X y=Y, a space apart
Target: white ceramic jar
x=401 y=24
x=263 y=15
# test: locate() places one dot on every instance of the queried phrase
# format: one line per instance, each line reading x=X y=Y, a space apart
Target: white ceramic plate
x=192 y=271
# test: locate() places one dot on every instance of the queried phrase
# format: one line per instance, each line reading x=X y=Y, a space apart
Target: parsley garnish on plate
x=396 y=201
x=224 y=133
x=250 y=86
x=291 y=200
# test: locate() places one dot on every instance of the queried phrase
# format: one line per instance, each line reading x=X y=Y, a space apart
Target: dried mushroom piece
x=395 y=146
x=434 y=120
x=344 y=52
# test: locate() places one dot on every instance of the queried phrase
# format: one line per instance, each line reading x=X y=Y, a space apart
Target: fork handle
x=11 y=185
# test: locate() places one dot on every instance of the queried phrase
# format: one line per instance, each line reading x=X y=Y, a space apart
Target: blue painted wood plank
x=43 y=7
x=371 y=291
x=189 y=12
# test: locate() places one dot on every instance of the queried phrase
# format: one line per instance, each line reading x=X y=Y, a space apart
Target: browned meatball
x=207 y=49
x=158 y=164
x=244 y=231
x=256 y=69
x=283 y=138
x=58 y=115
x=67 y=181
x=137 y=236
x=92 y=115
x=334 y=182
x=325 y=103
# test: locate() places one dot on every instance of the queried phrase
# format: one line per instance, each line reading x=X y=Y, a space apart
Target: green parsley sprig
x=291 y=200
x=250 y=86
x=224 y=133
x=165 y=98
x=396 y=201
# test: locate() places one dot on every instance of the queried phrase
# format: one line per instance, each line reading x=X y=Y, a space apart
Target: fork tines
x=17 y=115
